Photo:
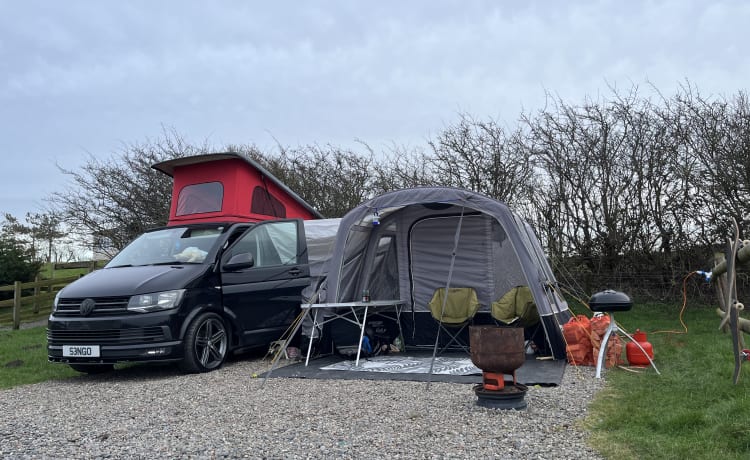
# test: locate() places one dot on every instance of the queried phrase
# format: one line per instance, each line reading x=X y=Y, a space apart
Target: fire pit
x=498 y=351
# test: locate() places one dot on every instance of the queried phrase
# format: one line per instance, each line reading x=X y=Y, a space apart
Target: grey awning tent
x=400 y=245
x=320 y=235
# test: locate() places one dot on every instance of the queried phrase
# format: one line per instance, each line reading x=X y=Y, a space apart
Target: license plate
x=81 y=351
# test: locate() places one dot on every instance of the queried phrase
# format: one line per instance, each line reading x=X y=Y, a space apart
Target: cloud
x=84 y=77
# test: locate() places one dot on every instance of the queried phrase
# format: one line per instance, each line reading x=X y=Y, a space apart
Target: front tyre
x=205 y=345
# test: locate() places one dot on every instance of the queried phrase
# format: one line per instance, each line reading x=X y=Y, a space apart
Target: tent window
x=266 y=204
x=200 y=198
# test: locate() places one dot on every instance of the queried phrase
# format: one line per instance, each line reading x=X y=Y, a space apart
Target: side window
x=272 y=243
x=266 y=204
x=200 y=198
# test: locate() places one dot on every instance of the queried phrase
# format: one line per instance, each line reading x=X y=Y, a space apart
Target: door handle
x=295 y=271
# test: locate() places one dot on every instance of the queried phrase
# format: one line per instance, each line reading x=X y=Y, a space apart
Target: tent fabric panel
x=320 y=235
x=403 y=218
x=384 y=275
x=555 y=339
x=506 y=268
x=536 y=249
x=352 y=267
x=431 y=244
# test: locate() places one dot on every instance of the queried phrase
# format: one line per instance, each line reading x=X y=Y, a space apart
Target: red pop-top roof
x=228 y=187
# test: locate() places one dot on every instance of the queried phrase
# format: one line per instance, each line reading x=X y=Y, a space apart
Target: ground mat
x=400 y=364
x=447 y=368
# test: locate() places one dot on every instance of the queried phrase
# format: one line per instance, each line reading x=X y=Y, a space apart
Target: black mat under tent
x=451 y=368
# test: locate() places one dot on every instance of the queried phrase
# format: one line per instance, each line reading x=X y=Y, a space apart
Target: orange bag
x=614 y=352
x=613 y=356
x=577 y=333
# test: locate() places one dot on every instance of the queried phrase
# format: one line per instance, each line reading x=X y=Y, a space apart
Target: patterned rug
x=534 y=371
x=408 y=365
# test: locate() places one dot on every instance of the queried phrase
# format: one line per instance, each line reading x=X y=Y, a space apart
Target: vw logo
x=87 y=306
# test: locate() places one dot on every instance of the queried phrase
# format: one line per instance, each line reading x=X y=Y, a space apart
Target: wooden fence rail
x=90 y=264
x=35 y=299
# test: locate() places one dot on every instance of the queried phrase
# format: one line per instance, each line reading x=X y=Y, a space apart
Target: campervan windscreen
x=172 y=245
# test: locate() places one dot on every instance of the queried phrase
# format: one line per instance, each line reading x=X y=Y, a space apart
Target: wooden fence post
x=17 y=305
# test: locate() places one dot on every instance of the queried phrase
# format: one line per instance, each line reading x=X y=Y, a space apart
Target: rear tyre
x=205 y=345
x=92 y=368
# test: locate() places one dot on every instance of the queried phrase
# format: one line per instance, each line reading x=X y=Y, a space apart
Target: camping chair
x=454 y=312
x=517 y=309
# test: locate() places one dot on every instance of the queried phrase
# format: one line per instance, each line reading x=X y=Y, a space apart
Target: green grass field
x=692 y=410
x=23 y=358
x=47 y=271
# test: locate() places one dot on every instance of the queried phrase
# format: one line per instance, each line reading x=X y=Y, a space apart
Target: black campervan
x=223 y=276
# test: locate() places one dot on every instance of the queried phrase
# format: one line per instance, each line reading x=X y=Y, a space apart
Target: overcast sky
x=80 y=78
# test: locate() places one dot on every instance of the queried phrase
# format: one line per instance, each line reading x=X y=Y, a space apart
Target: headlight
x=156 y=301
x=57 y=300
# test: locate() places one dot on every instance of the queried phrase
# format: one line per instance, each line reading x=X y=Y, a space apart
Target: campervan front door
x=263 y=274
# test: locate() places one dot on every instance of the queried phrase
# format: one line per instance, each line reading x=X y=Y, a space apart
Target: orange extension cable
x=682 y=310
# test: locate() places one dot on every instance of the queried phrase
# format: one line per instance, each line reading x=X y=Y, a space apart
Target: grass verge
x=23 y=358
x=692 y=410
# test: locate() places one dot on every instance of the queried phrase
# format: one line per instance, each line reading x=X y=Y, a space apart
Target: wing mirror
x=240 y=261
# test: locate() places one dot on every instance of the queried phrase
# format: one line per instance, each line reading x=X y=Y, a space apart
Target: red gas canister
x=635 y=355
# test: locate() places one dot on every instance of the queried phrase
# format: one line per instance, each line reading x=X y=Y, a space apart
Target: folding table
x=358 y=310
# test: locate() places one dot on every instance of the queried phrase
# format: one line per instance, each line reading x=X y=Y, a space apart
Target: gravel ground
x=156 y=412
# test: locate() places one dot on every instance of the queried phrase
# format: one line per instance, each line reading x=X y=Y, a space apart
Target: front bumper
x=127 y=338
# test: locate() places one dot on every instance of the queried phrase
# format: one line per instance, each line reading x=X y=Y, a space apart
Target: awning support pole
x=456 y=239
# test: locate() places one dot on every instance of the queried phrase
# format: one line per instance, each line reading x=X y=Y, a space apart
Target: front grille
x=109 y=336
x=105 y=306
